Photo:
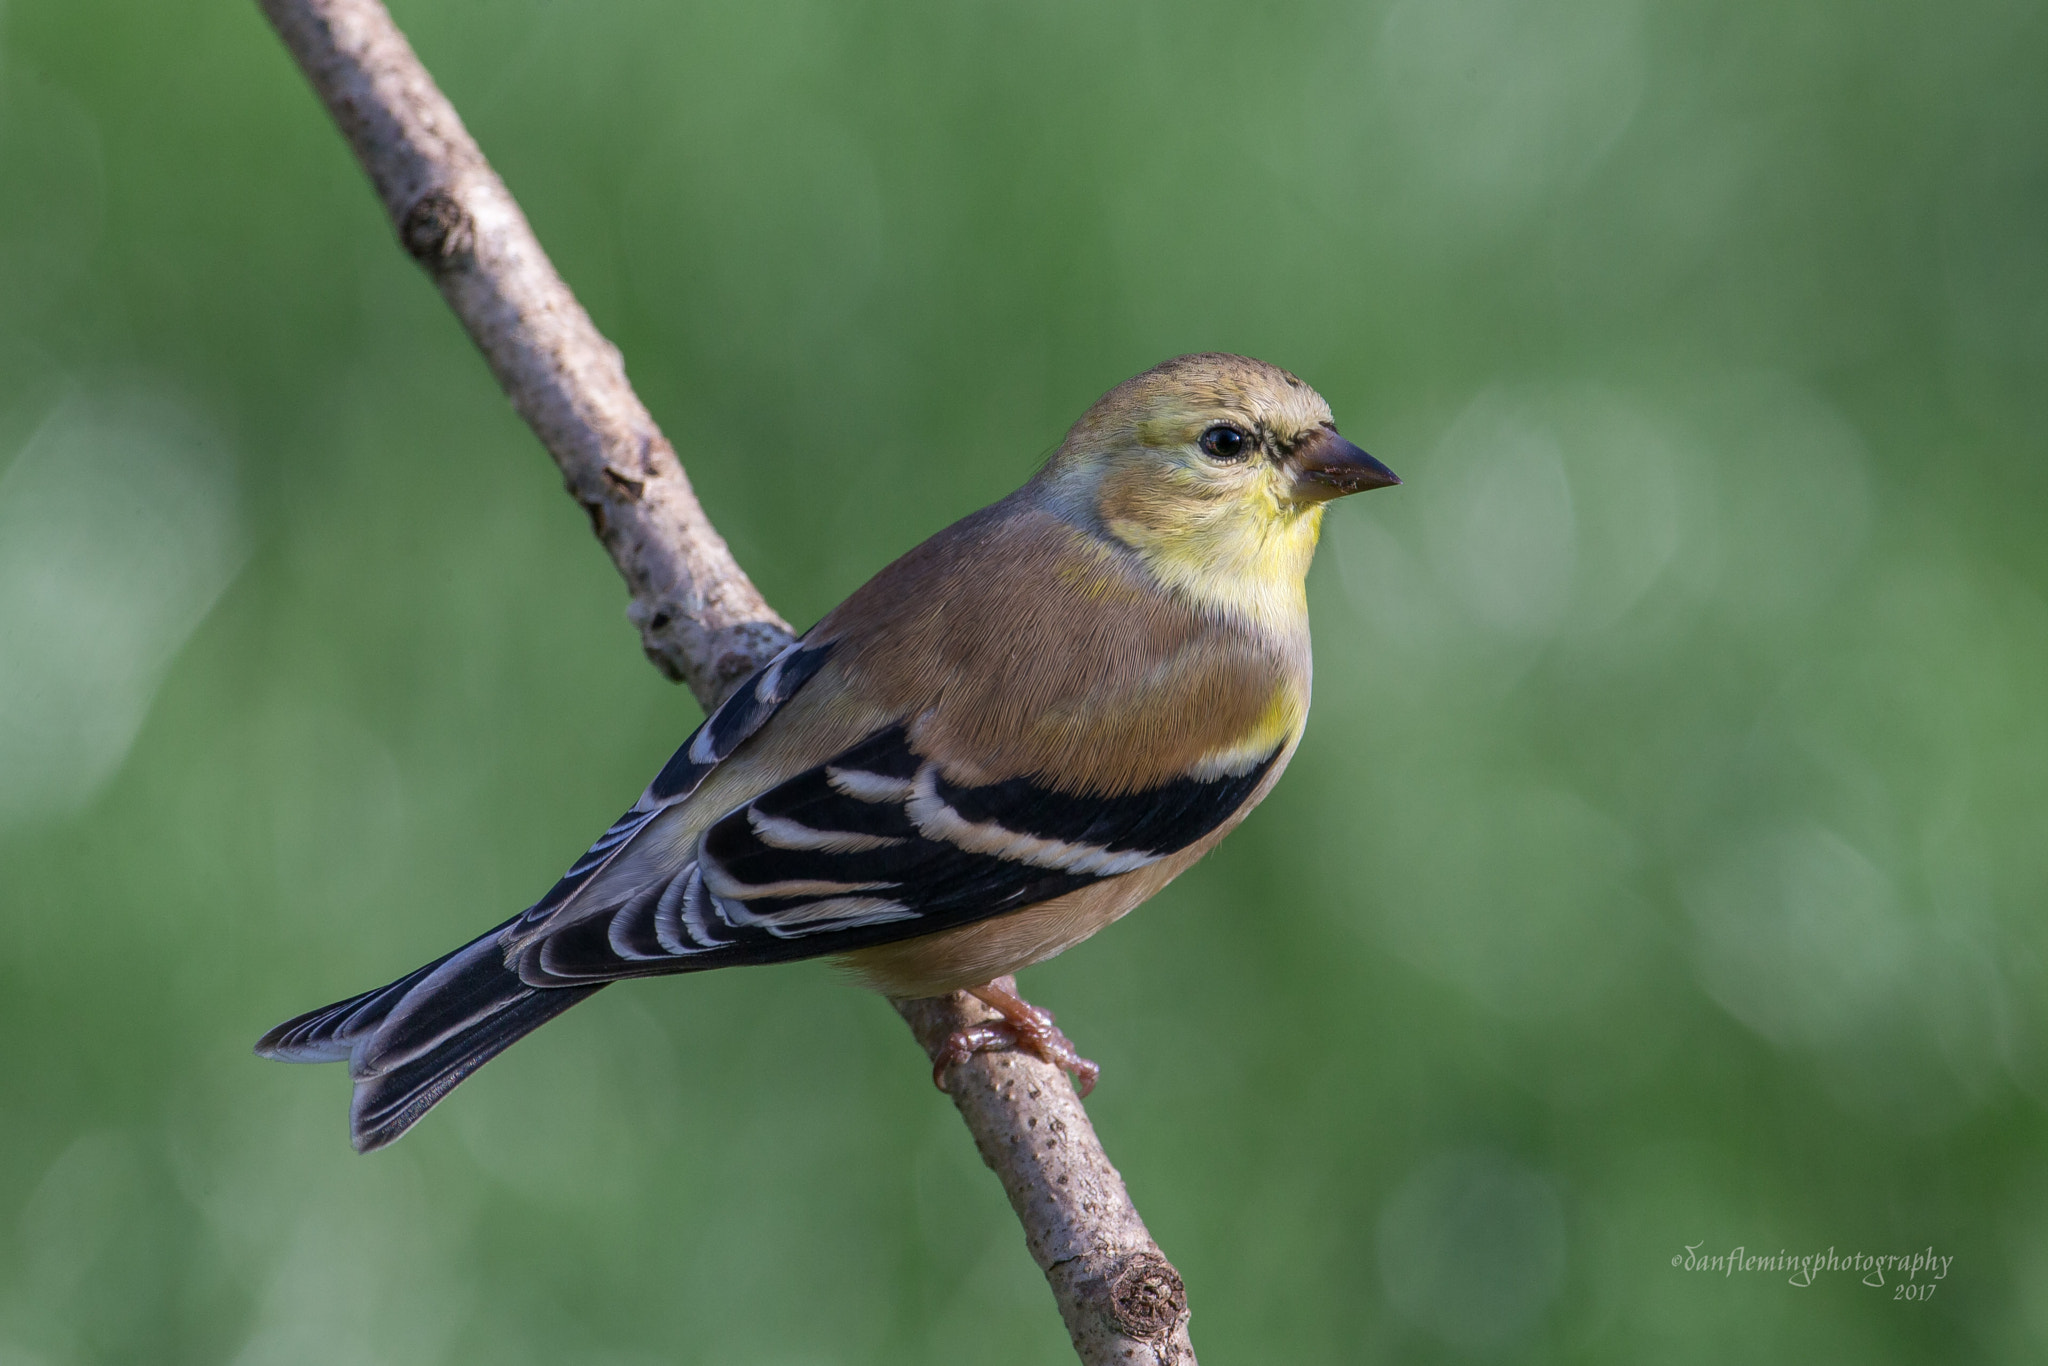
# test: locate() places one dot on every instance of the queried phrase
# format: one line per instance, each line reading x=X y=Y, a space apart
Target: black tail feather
x=331 y=1033
x=410 y=1043
x=389 y=1103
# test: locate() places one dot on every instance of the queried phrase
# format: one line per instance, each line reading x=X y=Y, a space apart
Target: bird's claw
x=1022 y=1025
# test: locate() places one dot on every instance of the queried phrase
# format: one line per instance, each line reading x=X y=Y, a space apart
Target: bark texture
x=701 y=620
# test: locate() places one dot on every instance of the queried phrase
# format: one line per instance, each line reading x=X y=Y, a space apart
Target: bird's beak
x=1327 y=466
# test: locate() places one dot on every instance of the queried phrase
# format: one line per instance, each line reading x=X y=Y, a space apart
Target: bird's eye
x=1223 y=442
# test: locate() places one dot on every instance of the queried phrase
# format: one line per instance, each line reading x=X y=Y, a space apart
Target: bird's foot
x=1023 y=1025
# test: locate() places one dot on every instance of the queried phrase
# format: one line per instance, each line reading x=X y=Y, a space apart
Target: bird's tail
x=410 y=1043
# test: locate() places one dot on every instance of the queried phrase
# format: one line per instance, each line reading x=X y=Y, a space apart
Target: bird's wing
x=873 y=846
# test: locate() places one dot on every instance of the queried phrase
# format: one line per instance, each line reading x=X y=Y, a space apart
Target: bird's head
x=1215 y=469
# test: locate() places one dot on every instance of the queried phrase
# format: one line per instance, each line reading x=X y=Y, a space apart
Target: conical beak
x=1327 y=466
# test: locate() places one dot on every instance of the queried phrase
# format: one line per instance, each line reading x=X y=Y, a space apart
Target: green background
x=1663 y=865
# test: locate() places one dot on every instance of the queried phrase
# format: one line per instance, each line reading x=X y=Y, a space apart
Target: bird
x=1001 y=743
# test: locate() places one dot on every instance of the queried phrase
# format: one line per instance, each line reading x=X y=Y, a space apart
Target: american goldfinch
x=998 y=745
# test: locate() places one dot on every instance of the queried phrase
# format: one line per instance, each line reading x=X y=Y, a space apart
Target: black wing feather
x=876 y=846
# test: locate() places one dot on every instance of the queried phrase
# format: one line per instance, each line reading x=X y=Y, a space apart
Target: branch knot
x=1146 y=1297
x=438 y=231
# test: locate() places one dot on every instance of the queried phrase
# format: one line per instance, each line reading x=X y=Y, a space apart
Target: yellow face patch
x=1223 y=530
x=1242 y=563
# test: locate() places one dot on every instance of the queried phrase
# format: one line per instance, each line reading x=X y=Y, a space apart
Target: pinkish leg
x=1024 y=1026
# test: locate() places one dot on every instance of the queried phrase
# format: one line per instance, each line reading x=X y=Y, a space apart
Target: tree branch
x=701 y=620
x=1122 y=1300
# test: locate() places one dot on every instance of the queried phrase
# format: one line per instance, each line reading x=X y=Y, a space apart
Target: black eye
x=1224 y=442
